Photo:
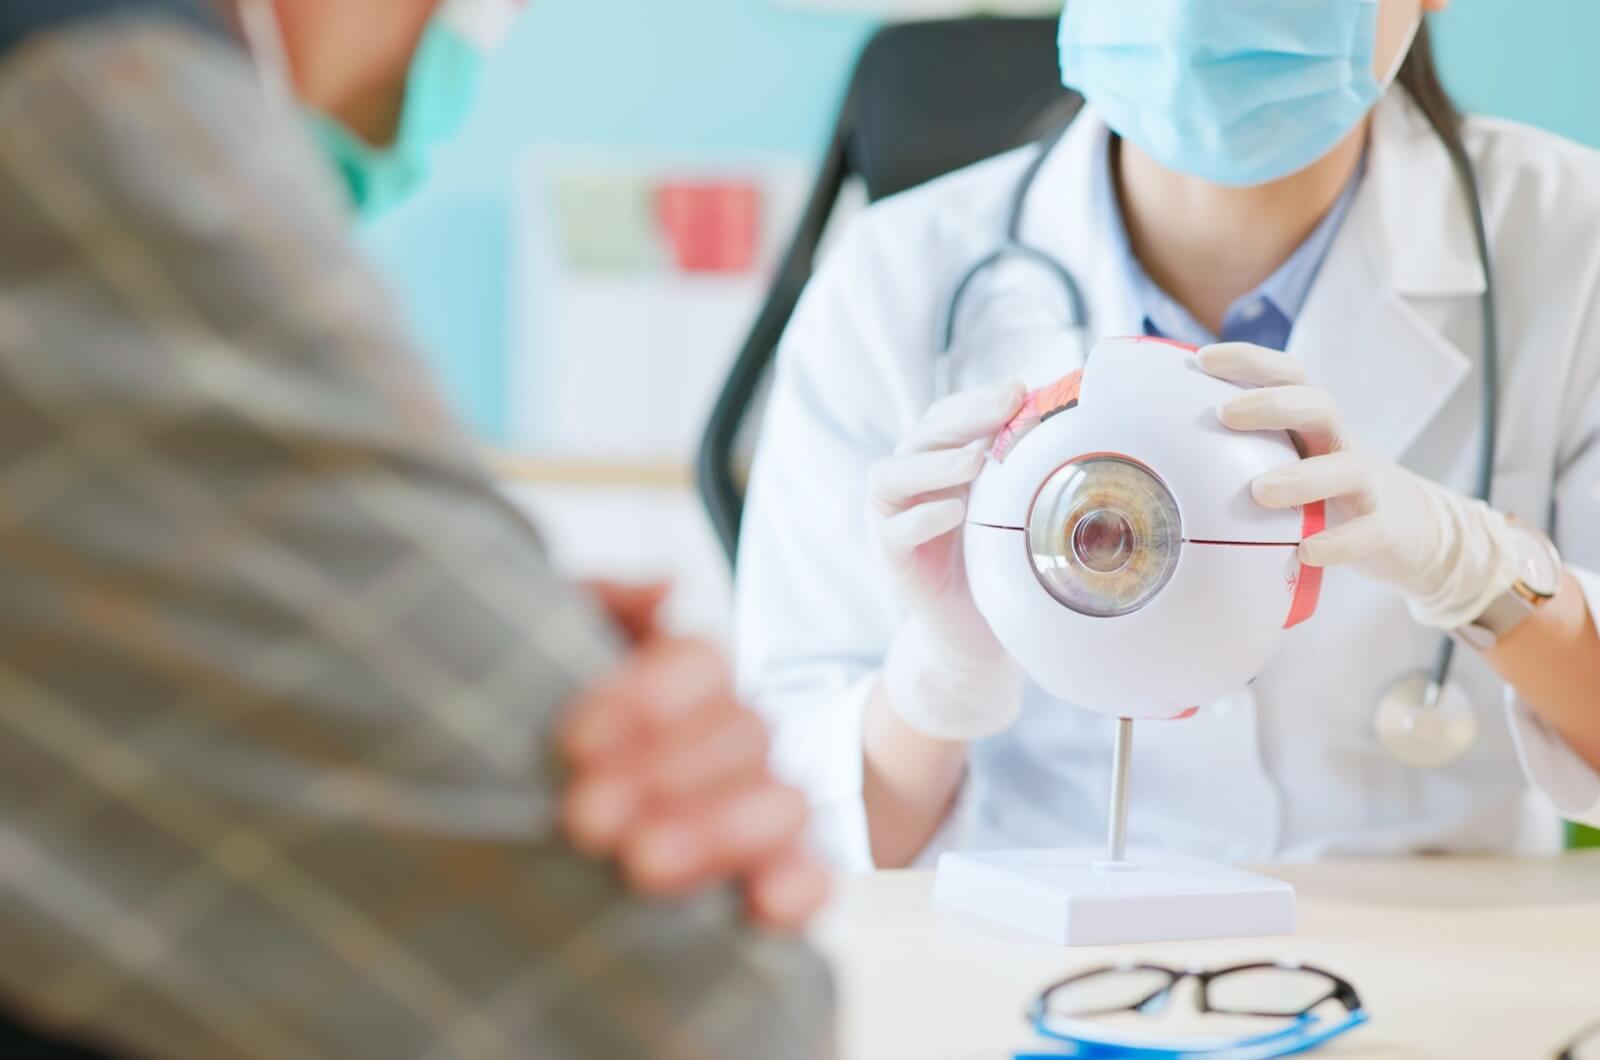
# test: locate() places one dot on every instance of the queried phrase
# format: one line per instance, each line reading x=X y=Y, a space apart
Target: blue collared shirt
x=1265 y=316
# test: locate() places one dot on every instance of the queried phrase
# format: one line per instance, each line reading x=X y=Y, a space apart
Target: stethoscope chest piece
x=1423 y=725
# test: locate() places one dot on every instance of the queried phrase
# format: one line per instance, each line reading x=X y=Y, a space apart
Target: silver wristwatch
x=1539 y=574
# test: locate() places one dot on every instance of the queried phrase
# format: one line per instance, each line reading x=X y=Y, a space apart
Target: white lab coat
x=1289 y=768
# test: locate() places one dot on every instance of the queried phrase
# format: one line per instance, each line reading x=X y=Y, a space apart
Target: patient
x=287 y=691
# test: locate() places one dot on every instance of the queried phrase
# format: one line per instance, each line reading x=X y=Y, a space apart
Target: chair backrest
x=927 y=98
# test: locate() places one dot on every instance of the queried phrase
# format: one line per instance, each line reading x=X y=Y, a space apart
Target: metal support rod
x=1117 y=833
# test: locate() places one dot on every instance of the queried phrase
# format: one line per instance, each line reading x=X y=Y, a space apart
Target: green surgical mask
x=440 y=89
x=439 y=94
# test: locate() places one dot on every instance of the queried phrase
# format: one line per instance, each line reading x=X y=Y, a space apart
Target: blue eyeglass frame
x=1305 y=1032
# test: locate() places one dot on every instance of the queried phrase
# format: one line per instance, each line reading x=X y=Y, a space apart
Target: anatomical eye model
x=1040 y=405
x=1113 y=546
x=1113 y=527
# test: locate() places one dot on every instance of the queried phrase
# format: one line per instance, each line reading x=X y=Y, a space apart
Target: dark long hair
x=1420 y=77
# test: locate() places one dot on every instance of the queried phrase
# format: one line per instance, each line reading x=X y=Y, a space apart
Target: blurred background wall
x=678 y=76
x=715 y=75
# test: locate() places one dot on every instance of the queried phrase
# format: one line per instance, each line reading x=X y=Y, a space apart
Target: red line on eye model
x=1243 y=544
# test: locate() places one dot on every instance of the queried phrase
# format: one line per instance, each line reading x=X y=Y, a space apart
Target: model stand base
x=1080 y=898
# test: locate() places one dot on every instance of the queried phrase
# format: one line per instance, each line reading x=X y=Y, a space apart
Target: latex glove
x=945 y=673
x=670 y=776
x=1451 y=556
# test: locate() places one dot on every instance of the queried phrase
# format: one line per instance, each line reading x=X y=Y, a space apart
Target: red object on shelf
x=711 y=226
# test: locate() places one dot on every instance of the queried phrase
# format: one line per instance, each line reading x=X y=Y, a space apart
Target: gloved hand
x=945 y=674
x=1451 y=556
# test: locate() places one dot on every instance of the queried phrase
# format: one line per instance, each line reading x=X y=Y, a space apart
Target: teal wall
x=693 y=75
x=1533 y=60
x=684 y=75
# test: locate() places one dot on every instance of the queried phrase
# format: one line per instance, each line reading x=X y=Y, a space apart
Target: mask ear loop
x=1404 y=53
x=263 y=36
x=482 y=23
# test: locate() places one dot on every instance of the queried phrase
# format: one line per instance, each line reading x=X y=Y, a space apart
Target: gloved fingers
x=911 y=529
x=1249 y=365
x=1309 y=412
x=1318 y=478
x=966 y=417
x=894 y=483
x=1359 y=539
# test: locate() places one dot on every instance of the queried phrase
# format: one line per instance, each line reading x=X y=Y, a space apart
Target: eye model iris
x=1104 y=535
x=1103 y=541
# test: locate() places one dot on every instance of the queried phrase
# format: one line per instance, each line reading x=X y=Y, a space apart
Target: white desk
x=1455 y=959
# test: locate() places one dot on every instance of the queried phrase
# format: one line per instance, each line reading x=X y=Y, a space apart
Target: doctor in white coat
x=1204 y=200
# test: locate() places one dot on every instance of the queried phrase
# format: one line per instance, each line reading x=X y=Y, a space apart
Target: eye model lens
x=1104 y=535
x=1103 y=541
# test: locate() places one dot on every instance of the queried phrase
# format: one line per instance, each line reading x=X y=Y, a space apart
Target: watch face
x=1539 y=564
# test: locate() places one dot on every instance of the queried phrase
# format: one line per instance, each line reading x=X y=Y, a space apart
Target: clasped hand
x=670 y=776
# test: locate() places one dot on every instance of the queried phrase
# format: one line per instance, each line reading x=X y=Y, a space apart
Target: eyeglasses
x=1080 y=1012
x=1585 y=1046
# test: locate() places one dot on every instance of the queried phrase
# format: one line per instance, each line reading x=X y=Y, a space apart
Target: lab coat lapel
x=1064 y=219
x=1371 y=329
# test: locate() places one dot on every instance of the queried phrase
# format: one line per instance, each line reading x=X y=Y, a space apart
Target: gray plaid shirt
x=277 y=663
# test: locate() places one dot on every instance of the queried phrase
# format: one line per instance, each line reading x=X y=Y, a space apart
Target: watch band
x=1508 y=611
x=1518 y=603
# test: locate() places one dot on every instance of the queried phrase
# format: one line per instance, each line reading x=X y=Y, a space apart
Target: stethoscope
x=1423 y=719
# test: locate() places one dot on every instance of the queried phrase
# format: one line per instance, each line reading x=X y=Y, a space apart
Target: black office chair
x=927 y=98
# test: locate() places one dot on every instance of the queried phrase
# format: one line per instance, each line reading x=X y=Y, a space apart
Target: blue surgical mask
x=440 y=88
x=1236 y=92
